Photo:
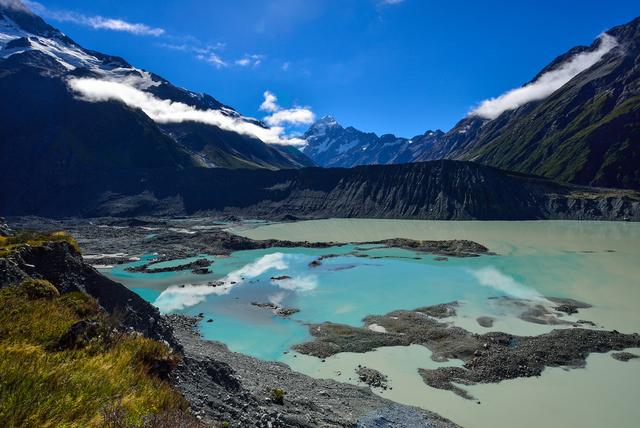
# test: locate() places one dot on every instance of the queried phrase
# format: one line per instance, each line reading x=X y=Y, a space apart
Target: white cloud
x=392 y=1
x=213 y=59
x=546 y=84
x=492 y=277
x=96 y=22
x=167 y=111
x=275 y=261
x=285 y=66
x=299 y=283
x=202 y=52
x=176 y=298
x=209 y=53
x=250 y=60
x=198 y=49
x=270 y=102
x=277 y=298
x=180 y=297
x=292 y=116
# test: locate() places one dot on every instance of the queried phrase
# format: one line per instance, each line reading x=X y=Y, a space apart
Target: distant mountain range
x=585 y=132
x=84 y=133
x=44 y=122
x=331 y=145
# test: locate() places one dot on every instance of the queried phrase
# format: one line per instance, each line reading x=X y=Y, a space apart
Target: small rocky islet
x=488 y=358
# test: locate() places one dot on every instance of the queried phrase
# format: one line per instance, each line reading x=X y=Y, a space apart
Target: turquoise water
x=594 y=262
x=343 y=289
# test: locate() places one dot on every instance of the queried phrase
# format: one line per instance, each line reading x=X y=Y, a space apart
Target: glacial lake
x=594 y=262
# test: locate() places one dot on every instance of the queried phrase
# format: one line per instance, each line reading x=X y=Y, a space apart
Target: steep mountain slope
x=586 y=132
x=331 y=145
x=44 y=120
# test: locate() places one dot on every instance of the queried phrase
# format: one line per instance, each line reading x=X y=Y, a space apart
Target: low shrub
x=39 y=289
x=277 y=395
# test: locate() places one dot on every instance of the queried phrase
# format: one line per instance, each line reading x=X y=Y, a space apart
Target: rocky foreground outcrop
x=61 y=264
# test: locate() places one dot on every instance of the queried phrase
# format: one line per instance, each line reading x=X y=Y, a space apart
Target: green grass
x=43 y=386
x=8 y=244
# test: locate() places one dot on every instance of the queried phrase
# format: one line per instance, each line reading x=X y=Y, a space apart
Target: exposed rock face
x=486 y=322
x=434 y=190
x=331 y=145
x=624 y=356
x=5 y=230
x=53 y=131
x=453 y=248
x=585 y=132
x=219 y=385
x=502 y=356
x=552 y=137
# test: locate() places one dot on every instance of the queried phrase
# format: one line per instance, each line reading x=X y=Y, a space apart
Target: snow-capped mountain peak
x=331 y=145
x=210 y=133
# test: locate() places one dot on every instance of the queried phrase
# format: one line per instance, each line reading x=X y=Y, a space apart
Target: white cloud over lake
x=176 y=298
x=493 y=278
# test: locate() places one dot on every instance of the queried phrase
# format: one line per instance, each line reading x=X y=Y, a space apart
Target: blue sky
x=394 y=66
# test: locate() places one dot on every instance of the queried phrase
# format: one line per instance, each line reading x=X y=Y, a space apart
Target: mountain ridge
x=330 y=144
x=34 y=54
x=435 y=190
x=586 y=132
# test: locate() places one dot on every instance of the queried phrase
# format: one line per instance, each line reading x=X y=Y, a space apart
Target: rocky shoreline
x=226 y=386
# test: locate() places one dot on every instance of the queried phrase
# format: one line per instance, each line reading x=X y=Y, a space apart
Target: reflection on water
x=589 y=261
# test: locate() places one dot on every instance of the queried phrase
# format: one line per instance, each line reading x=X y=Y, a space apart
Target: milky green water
x=598 y=263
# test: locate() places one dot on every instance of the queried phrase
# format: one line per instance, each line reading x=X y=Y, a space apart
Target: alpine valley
x=168 y=261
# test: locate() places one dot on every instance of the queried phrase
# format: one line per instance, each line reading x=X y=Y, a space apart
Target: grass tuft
x=42 y=385
x=38 y=289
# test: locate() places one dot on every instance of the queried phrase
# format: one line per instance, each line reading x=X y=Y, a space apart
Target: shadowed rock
x=624 y=356
x=372 y=377
x=486 y=322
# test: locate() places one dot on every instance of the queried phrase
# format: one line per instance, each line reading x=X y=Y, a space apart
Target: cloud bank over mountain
x=167 y=111
x=546 y=84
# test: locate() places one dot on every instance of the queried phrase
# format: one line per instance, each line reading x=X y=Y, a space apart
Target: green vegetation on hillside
x=9 y=244
x=63 y=364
